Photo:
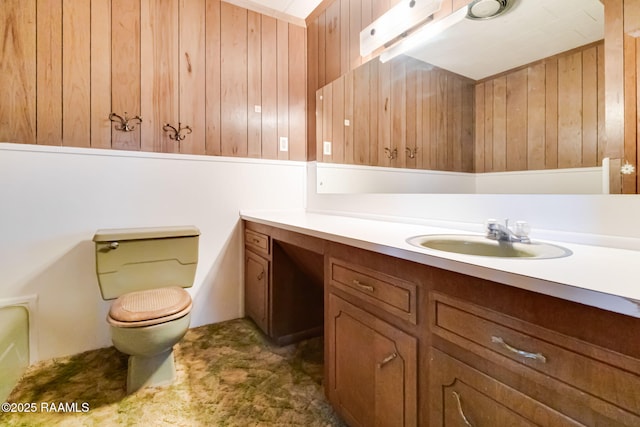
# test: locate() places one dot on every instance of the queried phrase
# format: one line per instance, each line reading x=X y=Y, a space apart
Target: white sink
x=478 y=245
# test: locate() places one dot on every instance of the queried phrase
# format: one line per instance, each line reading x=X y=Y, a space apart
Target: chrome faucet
x=503 y=233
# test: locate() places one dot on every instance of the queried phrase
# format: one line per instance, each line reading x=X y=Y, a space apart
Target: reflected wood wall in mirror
x=403 y=113
x=548 y=135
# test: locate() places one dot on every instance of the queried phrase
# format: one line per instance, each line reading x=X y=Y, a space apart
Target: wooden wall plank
x=411 y=118
x=282 y=59
x=269 y=89
x=332 y=41
x=614 y=60
x=349 y=113
x=399 y=112
x=468 y=153
x=374 y=100
x=327 y=122
x=479 y=130
x=361 y=113
x=322 y=51
x=319 y=113
x=570 y=110
x=337 y=120
x=428 y=126
x=517 y=120
x=499 y=124
x=536 y=109
x=630 y=112
x=233 y=48
x=384 y=113
x=419 y=104
x=551 y=120
x=355 y=25
x=590 y=107
x=212 y=52
x=345 y=35
x=125 y=71
x=159 y=73
x=49 y=73
x=602 y=139
x=297 y=93
x=101 y=42
x=312 y=87
x=76 y=72
x=192 y=74
x=254 y=88
x=17 y=67
x=442 y=136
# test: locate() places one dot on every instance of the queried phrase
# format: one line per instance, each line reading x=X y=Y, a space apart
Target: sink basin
x=473 y=244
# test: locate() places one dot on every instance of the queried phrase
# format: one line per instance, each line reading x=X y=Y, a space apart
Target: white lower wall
x=53 y=199
x=608 y=220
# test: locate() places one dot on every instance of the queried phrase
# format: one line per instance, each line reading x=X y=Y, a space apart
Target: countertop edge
x=596 y=298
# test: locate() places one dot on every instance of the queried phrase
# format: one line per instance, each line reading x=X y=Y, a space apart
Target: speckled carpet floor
x=228 y=374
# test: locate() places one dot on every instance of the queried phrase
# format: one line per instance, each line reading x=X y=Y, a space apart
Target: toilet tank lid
x=120 y=234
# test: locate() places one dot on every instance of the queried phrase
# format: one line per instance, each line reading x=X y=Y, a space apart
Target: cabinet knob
x=261 y=275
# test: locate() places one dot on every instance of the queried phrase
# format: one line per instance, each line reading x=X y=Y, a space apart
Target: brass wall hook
x=411 y=153
x=176 y=134
x=124 y=125
x=391 y=154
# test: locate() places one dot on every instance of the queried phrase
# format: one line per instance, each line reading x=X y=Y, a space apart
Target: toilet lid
x=150 y=304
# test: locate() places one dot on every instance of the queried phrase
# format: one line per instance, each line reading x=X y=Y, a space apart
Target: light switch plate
x=257 y=108
x=284 y=143
x=326 y=148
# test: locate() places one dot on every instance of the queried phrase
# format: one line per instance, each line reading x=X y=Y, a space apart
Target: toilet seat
x=150 y=307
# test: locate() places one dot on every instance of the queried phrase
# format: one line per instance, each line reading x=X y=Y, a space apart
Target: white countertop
x=593 y=275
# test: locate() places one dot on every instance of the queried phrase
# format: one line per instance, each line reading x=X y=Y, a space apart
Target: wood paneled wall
x=622 y=31
x=333 y=43
x=236 y=77
x=547 y=115
x=402 y=113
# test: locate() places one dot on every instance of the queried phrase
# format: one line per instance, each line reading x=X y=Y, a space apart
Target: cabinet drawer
x=461 y=395
x=389 y=293
x=495 y=336
x=257 y=241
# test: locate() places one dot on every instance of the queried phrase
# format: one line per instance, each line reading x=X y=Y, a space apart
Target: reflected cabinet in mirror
x=538 y=126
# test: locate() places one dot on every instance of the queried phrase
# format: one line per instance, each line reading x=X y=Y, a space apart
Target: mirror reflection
x=443 y=117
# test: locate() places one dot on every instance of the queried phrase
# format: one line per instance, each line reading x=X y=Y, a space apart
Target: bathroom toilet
x=145 y=270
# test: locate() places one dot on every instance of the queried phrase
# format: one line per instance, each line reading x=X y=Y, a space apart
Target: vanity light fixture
x=422 y=34
x=396 y=23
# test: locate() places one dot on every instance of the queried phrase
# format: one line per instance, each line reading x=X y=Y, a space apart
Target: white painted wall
x=609 y=220
x=53 y=199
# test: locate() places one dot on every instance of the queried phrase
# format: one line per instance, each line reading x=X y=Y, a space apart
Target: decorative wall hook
x=391 y=154
x=124 y=125
x=412 y=153
x=176 y=134
x=627 y=168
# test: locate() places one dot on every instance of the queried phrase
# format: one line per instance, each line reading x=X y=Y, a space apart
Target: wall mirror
x=512 y=104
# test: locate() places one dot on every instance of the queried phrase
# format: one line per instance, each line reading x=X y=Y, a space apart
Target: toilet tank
x=137 y=259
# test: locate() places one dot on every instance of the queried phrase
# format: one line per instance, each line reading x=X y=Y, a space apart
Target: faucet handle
x=522 y=229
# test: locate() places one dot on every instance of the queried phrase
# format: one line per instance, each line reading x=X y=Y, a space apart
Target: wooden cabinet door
x=462 y=396
x=372 y=368
x=256 y=290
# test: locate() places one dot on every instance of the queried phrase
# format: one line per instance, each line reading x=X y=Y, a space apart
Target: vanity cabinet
x=373 y=340
x=283 y=292
x=503 y=370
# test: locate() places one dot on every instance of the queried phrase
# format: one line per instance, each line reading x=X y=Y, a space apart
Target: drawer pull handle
x=363 y=286
x=254 y=240
x=536 y=356
x=261 y=275
x=460 y=410
x=387 y=359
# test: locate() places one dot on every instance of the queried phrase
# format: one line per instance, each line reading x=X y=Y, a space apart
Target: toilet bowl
x=145 y=271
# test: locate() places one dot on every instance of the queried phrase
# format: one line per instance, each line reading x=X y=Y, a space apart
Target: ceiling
x=296 y=8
